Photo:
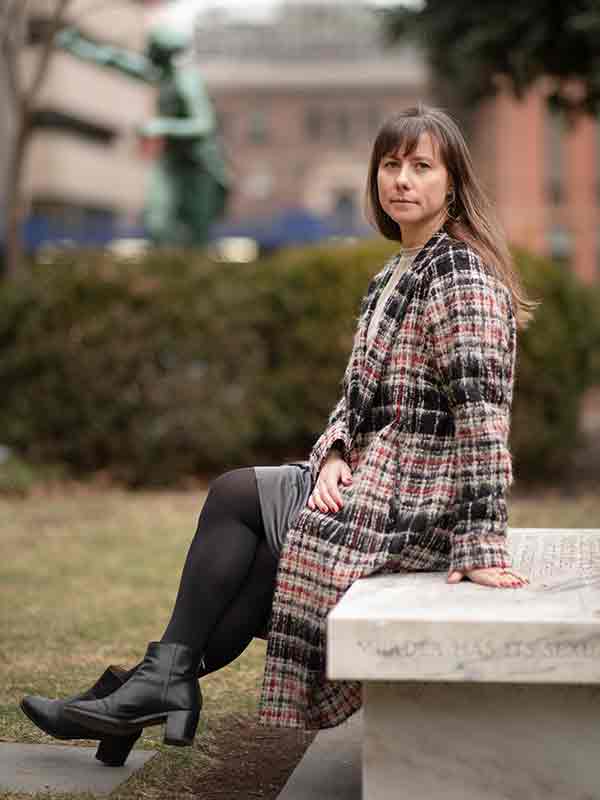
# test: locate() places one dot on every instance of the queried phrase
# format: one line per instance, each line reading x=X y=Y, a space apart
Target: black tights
x=228 y=578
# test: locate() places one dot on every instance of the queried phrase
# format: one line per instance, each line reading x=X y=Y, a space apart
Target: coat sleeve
x=335 y=435
x=472 y=331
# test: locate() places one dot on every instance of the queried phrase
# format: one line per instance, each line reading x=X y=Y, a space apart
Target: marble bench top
x=416 y=627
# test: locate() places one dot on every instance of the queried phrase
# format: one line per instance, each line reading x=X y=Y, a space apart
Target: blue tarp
x=290 y=227
x=39 y=231
x=295 y=226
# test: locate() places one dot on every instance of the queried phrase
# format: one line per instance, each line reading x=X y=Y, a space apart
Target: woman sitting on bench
x=411 y=472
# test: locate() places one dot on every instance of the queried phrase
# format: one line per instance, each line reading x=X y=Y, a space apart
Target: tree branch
x=48 y=47
x=12 y=32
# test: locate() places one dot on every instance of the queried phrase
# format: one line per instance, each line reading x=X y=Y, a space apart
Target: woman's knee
x=236 y=492
x=231 y=483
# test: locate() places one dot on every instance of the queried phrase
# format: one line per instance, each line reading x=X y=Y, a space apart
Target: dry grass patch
x=89 y=580
x=88 y=577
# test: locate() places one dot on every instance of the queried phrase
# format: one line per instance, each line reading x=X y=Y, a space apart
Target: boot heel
x=114 y=750
x=181 y=728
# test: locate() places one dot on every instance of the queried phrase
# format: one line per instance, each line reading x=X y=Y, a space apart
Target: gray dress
x=283 y=491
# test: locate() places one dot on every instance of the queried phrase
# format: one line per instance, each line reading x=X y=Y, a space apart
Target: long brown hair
x=470 y=217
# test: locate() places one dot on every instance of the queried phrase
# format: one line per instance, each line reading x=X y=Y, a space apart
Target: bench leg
x=476 y=741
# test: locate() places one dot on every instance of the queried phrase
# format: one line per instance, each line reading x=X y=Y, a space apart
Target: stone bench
x=478 y=693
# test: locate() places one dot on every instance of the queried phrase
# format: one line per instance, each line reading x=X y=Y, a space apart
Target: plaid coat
x=423 y=422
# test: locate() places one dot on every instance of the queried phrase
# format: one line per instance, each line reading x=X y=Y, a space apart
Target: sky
x=183 y=12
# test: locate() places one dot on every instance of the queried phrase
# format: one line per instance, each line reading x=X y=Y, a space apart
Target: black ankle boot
x=49 y=716
x=164 y=688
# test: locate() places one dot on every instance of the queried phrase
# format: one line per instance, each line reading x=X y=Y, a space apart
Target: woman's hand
x=502 y=577
x=326 y=496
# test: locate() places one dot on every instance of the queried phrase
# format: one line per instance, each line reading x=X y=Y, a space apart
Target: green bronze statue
x=189 y=184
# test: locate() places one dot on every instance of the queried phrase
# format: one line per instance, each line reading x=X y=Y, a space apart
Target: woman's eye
x=423 y=165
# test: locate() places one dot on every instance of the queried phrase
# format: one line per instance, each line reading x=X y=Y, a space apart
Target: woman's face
x=413 y=189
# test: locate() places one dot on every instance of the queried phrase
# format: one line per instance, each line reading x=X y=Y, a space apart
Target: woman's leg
x=219 y=559
x=164 y=686
x=245 y=617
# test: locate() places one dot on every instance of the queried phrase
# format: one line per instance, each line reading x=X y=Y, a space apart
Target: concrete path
x=331 y=767
x=54 y=768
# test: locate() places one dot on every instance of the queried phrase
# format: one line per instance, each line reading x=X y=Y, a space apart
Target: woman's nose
x=402 y=177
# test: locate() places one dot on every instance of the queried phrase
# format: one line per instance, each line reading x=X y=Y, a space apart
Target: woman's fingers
x=318 y=499
x=513 y=579
x=498 y=577
x=325 y=498
x=326 y=495
x=336 y=497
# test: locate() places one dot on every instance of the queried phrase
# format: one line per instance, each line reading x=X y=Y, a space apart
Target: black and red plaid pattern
x=423 y=422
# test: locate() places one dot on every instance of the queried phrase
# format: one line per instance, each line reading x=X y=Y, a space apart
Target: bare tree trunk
x=14 y=21
x=15 y=211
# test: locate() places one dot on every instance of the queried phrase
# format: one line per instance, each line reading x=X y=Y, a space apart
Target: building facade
x=300 y=97
x=543 y=171
x=299 y=100
x=85 y=170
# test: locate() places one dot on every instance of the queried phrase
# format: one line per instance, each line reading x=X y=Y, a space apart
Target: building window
x=555 y=155
x=560 y=244
x=313 y=123
x=258 y=131
x=38 y=28
x=50 y=119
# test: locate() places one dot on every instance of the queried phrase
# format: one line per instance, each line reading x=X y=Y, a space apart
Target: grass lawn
x=88 y=577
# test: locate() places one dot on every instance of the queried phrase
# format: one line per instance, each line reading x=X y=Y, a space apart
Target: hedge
x=175 y=365
x=558 y=359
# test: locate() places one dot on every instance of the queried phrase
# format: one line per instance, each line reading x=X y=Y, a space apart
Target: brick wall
x=545 y=183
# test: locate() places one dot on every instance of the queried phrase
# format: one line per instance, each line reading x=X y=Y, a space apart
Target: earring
x=451 y=209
